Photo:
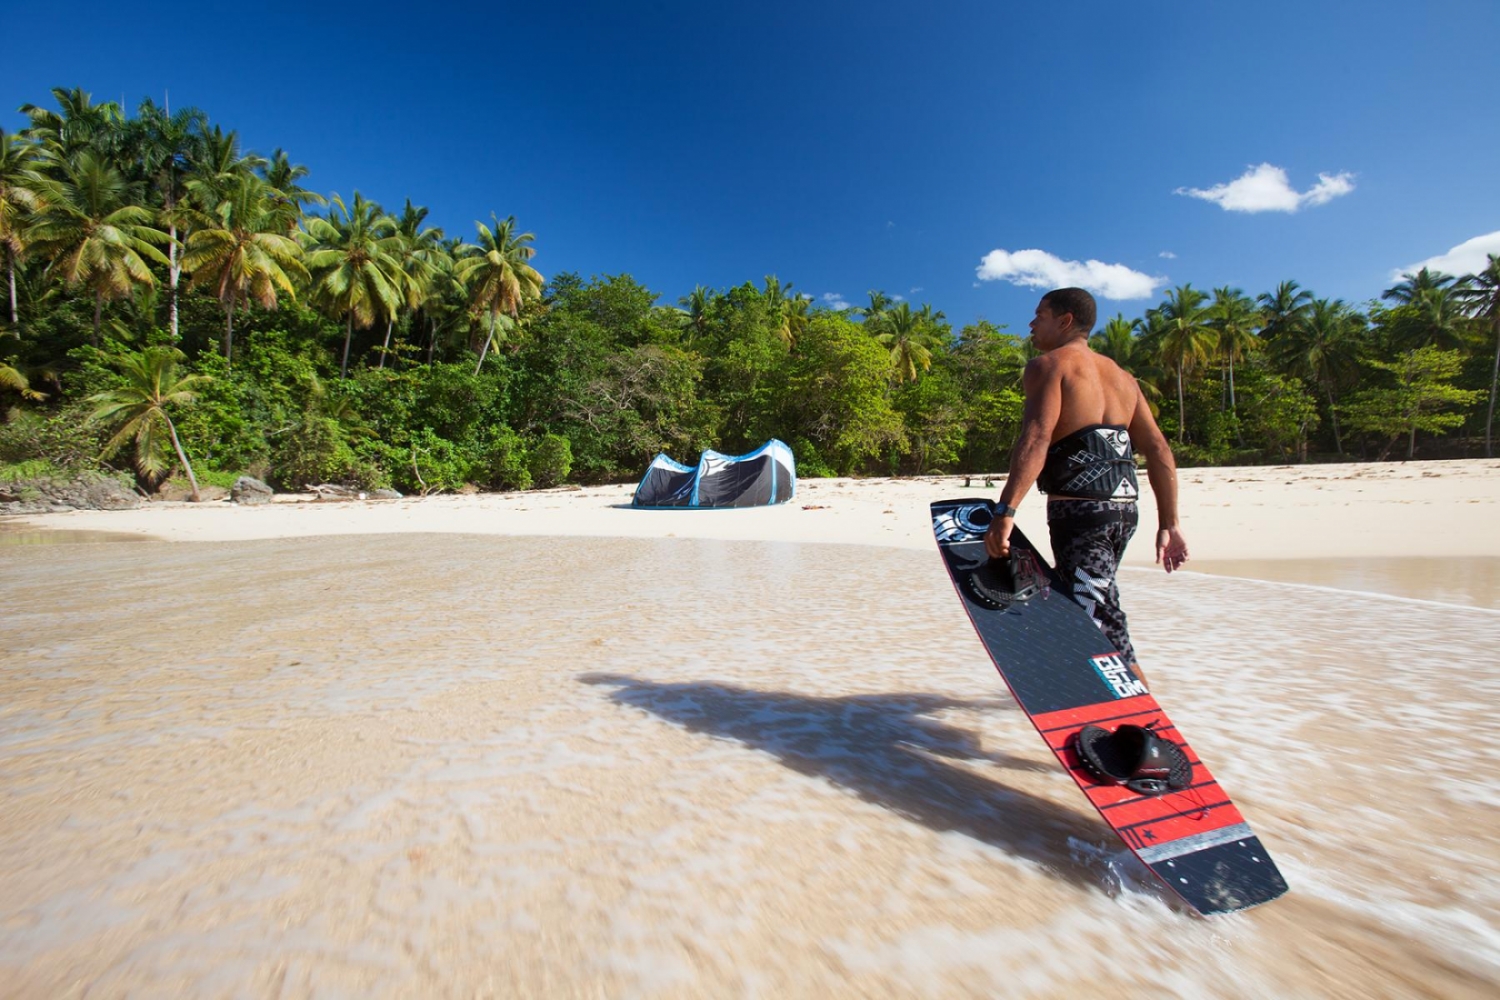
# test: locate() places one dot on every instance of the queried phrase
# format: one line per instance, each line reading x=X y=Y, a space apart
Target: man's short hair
x=1076 y=301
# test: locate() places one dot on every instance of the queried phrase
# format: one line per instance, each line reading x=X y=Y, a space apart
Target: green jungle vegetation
x=179 y=306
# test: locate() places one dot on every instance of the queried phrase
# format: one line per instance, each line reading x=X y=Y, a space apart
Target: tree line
x=177 y=304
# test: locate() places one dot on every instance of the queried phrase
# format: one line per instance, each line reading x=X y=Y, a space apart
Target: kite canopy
x=766 y=475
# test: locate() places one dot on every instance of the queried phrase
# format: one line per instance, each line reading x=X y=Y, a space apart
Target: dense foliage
x=176 y=302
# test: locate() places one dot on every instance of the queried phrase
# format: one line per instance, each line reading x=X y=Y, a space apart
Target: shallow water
x=443 y=765
x=1473 y=581
x=22 y=536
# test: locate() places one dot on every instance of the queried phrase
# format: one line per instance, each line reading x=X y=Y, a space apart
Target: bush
x=503 y=462
x=65 y=439
x=316 y=452
x=551 y=460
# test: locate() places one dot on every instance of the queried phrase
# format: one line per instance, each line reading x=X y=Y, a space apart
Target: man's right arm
x=1161 y=470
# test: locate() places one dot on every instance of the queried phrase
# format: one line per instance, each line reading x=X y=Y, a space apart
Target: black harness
x=1093 y=463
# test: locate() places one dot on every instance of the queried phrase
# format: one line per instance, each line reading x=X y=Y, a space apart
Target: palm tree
x=13 y=378
x=905 y=335
x=243 y=253
x=78 y=125
x=1233 y=316
x=138 y=408
x=695 y=306
x=778 y=298
x=95 y=235
x=1318 y=346
x=1482 y=296
x=876 y=310
x=1116 y=340
x=421 y=248
x=1187 y=340
x=498 y=276
x=1283 y=309
x=354 y=258
x=282 y=174
x=20 y=196
x=1411 y=287
x=165 y=146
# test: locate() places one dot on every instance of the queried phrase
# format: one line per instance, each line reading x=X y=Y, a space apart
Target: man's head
x=1062 y=315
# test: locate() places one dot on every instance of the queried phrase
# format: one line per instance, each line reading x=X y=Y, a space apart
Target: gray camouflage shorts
x=1088 y=541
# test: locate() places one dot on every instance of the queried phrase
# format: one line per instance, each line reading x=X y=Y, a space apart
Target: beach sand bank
x=409 y=763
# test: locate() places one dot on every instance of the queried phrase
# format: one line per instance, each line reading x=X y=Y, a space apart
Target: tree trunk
x=15 y=318
x=182 y=456
x=229 y=334
x=1411 y=442
x=348 y=336
x=98 y=309
x=1489 y=421
x=1181 y=410
x=1234 y=412
x=486 y=349
x=385 y=348
x=1333 y=413
x=173 y=271
x=431 y=339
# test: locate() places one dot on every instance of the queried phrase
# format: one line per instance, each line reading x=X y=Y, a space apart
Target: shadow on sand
x=881 y=748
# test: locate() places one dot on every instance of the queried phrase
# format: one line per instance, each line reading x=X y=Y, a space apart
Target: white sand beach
x=541 y=744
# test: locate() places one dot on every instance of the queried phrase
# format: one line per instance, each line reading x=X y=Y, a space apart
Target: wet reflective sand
x=449 y=765
x=1473 y=581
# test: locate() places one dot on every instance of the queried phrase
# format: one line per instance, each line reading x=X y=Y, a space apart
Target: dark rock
x=247 y=490
x=84 y=492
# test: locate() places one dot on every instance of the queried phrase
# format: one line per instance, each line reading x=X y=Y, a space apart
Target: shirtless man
x=1083 y=415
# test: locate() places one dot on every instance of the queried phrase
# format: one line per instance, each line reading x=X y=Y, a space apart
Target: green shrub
x=66 y=439
x=551 y=460
x=503 y=460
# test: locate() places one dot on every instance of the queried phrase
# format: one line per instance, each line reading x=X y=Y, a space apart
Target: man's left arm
x=1038 y=419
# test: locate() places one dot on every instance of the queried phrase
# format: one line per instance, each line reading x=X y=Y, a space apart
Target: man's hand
x=1171 y=548
x=997 y=539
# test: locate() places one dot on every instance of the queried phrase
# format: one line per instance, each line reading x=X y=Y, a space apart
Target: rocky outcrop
x=84 y=492
x=248 y=490
x=384 y=495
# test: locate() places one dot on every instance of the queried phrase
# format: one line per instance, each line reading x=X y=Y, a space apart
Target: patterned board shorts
x=1088 y=541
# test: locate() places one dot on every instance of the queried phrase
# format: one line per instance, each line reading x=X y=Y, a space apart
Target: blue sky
x=851 y=146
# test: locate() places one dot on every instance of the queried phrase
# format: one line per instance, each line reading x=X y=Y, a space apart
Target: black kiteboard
x=1096 y=716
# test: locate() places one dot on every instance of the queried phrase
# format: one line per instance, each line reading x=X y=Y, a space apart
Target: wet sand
x=416 y=765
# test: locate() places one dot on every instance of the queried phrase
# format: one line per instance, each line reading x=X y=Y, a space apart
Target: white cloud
x=1167 y=255
x=834 y=300
x=1266 y=189
x=916 y=290
x=1040 y=269
x=898 y=298
x=1469 y=257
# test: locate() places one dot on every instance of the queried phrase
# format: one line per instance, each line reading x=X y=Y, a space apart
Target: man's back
x=1093 y=390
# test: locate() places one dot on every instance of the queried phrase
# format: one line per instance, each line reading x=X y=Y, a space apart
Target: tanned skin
x=1070 y=387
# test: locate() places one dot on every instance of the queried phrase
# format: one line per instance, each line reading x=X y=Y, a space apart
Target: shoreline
x=1261 y=513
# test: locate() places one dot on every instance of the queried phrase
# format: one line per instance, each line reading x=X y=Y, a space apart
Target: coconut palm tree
x=778 y=298
x=1282 y=309
x=78 y=125
x=421 y=250
x=1319 y=346
x=695 y=306
x=1116 y=340
x=1482 y=296
x=906 y=335
x=1186 y=341
x=499 y=278
x=283 y=175
x=1411 y=287
x=13 y=378
x=21 y=188
x=165 y=147
x=95 y=234
x=354 y=258
x=876 y=310
x=1233 y=317
x=243 y=253
x=137 y=408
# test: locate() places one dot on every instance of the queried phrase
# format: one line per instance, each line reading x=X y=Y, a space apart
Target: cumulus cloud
x=898 y=298
x=1469 y=257
x=1266 y=188
x=1040 y=269
x=1167 y=255
x=834 y=300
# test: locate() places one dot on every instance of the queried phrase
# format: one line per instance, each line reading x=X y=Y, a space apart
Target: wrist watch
x=1005 y=510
